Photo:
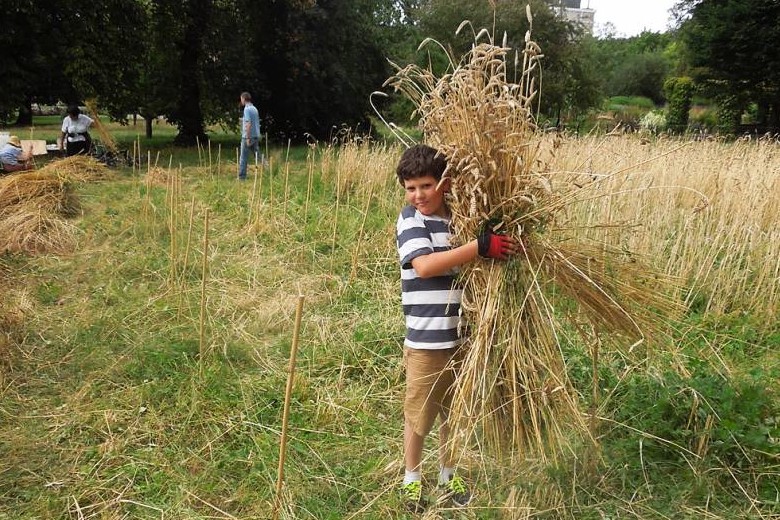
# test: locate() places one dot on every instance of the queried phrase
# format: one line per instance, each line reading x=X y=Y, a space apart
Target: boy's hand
x=492 y=245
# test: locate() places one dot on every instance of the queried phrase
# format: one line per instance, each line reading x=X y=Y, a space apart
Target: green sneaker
x=412 y=497
x=457 y=491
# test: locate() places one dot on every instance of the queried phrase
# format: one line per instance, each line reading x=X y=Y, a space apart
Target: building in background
x=574 y=11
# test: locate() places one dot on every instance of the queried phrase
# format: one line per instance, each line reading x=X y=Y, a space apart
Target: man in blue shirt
x=250 y=133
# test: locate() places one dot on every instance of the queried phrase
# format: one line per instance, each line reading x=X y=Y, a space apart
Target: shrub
x=654 y=122
x=679 y=92
x=731 y=421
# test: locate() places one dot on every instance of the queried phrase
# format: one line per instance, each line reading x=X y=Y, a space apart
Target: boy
x=431 y=303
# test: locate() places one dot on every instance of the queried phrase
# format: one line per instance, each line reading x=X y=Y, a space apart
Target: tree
x=568 y=82
x=732 y=49
x=69 y=51
x=635 y=66
x=640 y=75
x=30 y=59
x=317 y=65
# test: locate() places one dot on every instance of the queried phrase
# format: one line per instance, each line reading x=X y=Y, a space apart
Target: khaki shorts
x=430 y=375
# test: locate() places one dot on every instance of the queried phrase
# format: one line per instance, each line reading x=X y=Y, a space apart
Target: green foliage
x=640 y=75
x=634 y=66
x=704 y=416
x=622 y=102
x=316 y=64
x=732 y=51
x=570 y=82
x=679 y=92
x=704 y=118
x=629 y=110
x=729 y=114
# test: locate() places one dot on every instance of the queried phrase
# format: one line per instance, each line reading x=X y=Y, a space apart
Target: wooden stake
x=211 y=172
x=335 y=220
x=202 y=346
x=219 y=159
x=308 y=188
x=286 y=412
x=286 y=177
x=171 y=187
x=189 y=235
x=270 y=182
x=254 y=196
x=183 y=272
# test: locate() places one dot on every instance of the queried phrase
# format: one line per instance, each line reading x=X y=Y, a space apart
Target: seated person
x=13 y=158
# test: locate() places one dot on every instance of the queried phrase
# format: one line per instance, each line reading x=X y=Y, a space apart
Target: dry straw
x=513 y=390
x=33 y=206
x=105 y=135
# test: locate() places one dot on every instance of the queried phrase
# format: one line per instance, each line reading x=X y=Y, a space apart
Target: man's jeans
x=245 y=150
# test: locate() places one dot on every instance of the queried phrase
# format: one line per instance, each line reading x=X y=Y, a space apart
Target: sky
x=630 y=17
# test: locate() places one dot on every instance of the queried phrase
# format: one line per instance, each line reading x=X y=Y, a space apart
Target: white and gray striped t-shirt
x=431 y=305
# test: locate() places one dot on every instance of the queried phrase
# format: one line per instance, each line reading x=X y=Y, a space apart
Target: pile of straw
x=78 y=168
x=34 y=206
x=513 y=390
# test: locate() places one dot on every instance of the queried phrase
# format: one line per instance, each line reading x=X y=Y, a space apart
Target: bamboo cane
x=202 y=343
x=211 y=172
x=335 y=220
x=308 y=188
x=254 y=196
x=183 y=272
x=286 y=412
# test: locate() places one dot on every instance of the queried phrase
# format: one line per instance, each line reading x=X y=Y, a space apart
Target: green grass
x=111 y=407
x=622 y=102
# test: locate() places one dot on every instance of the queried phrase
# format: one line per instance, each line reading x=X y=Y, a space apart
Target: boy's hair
x=74 y=111
x=420 y=160
x=246 y=96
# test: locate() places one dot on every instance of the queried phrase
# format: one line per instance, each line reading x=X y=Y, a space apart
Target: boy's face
x=423 y=195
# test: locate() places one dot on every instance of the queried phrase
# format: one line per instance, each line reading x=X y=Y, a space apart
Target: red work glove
x=492 y=245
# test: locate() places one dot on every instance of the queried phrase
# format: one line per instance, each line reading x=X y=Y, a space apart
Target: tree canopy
x=732 y=50
x=311 y=65
x=569 y=82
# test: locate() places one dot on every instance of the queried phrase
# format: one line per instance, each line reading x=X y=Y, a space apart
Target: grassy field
x=143 y=374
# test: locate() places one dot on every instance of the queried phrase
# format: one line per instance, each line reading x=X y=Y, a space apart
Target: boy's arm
x=488 y=245
x=439 y=263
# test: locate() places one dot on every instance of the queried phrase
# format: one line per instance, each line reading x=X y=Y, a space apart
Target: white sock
x=412 y=476
x=445 y=474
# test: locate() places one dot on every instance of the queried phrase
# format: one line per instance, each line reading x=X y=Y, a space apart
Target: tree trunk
x=148 y=125
x=189 y=115
x=25 y=117
x=774 y=116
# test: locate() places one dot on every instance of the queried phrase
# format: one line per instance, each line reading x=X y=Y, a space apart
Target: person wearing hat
x=75 y=132
x=13 y=158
